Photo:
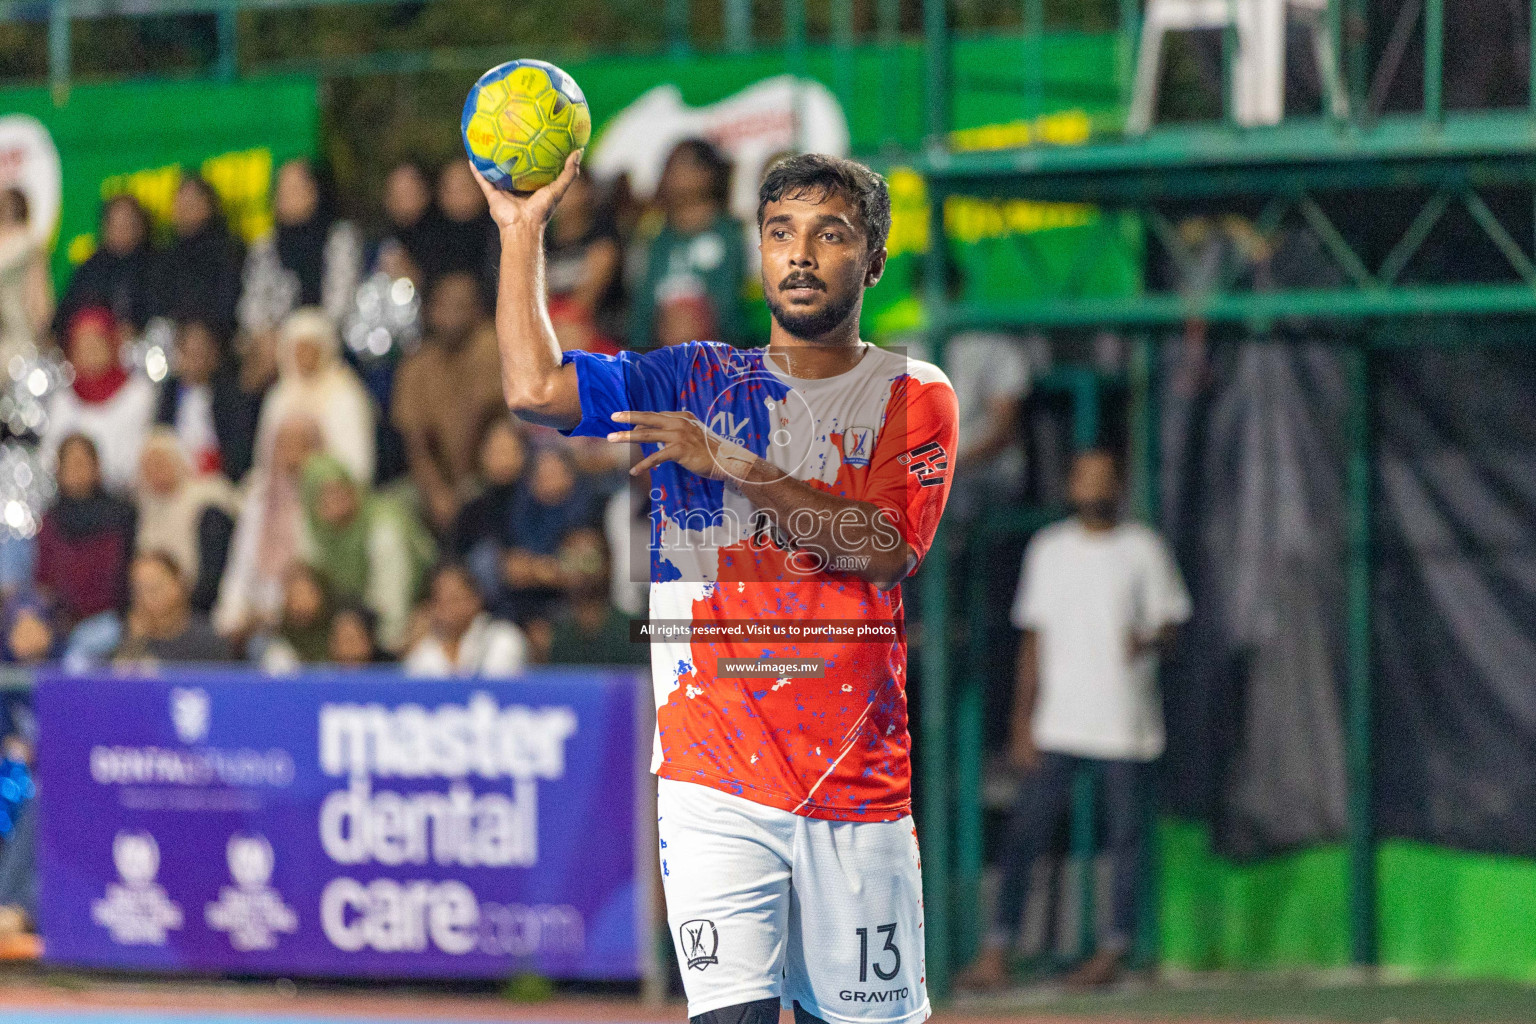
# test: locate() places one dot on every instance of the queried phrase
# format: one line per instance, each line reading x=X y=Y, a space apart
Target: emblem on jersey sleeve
x=926 y=462
x=858 y=444
x=700 y=941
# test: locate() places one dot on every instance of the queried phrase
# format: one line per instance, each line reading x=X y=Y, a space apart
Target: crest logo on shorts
x=699 y=942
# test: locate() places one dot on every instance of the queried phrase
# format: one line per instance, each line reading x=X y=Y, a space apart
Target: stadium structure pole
x=1362 y=843
x=936 y=38
x=1146 y=507
x=1034 y=57
x=843 y=66
x=738 y=25
x=58 y=50
x=227 y=65
x=933 y=581
x=1434 y=59
x=888 y=30
x=677 y=18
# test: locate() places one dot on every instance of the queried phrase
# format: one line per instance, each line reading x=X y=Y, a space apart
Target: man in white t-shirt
x=1097 y=601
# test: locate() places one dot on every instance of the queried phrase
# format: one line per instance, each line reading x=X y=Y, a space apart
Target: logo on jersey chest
x=858 y=446
x=726 y=424
x=699 y=942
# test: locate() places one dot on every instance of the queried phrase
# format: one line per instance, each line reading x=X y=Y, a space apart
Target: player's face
x=816 y=262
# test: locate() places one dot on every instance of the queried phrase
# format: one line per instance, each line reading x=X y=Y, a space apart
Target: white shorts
x=765 y=904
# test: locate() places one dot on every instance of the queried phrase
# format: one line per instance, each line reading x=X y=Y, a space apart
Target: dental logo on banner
x=341 y=825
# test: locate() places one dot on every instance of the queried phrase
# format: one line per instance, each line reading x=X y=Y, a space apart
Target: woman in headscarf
x=199 y=273
x=188 y=516
x=485 y=527
x=313 y=380
x=555 y=503
x=409 y=222
x=106 y=402
x=311 y=258
x=26 y=292
x=118 y=275
x=303 y=635
x=213 y=417
x=270 y=533
x=369 y=547
x=83 y=549
x=459 y=234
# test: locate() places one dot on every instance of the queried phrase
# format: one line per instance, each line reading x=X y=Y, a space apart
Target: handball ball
x=520 y=122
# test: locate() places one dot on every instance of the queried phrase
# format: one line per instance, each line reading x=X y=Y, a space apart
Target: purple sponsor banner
x=340 y=824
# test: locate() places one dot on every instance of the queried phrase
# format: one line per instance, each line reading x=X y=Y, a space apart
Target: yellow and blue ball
x=520 y=122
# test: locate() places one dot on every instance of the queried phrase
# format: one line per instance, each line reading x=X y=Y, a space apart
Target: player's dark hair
x=818 y=176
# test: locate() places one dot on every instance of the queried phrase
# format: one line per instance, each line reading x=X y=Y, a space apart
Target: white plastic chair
x=1258 y=67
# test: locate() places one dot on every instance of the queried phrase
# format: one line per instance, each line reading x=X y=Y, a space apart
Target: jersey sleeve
x=913 y=461
x=645 y=382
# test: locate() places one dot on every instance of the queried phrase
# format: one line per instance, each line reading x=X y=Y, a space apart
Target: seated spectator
x=199 y=272
x=444 y=393
x=588 y=629
x=188 y=516
x=270 y=535
x=311 y=257
x=314 y=381
x=368 y=546
x=484 y=530
x=119 y=274
x=582 y=270
x=408 y=216
x=106 y=402
x=29 y=634
x=556 y=503
x=202 y=400
x=352 y=643
x=83 y=548
x=162 y=624
x=304 y=631
x=464 y=639
x=697 y=254
x=26 y=290
x=460 y=235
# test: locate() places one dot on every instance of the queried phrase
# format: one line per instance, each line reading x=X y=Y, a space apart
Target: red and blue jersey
x=883 y=433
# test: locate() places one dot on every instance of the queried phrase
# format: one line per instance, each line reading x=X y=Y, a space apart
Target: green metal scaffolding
x=1287 y=170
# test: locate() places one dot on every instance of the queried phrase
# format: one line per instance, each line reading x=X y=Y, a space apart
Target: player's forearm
x=531 y=374
x=840 y=533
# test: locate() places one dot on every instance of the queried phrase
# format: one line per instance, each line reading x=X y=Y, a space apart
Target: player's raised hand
x=533 y=209
x=683 y=439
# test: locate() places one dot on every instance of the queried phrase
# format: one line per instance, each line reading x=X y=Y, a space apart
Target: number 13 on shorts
x=767 y=904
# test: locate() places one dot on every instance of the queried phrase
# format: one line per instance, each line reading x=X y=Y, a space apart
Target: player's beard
x=811 y=324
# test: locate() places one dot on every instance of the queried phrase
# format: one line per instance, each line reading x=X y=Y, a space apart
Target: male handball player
x=791 y=486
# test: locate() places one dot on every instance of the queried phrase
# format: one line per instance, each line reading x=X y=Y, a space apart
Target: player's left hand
x=683 y=440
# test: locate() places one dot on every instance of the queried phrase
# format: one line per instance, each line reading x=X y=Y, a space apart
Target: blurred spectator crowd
x=297 y=451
